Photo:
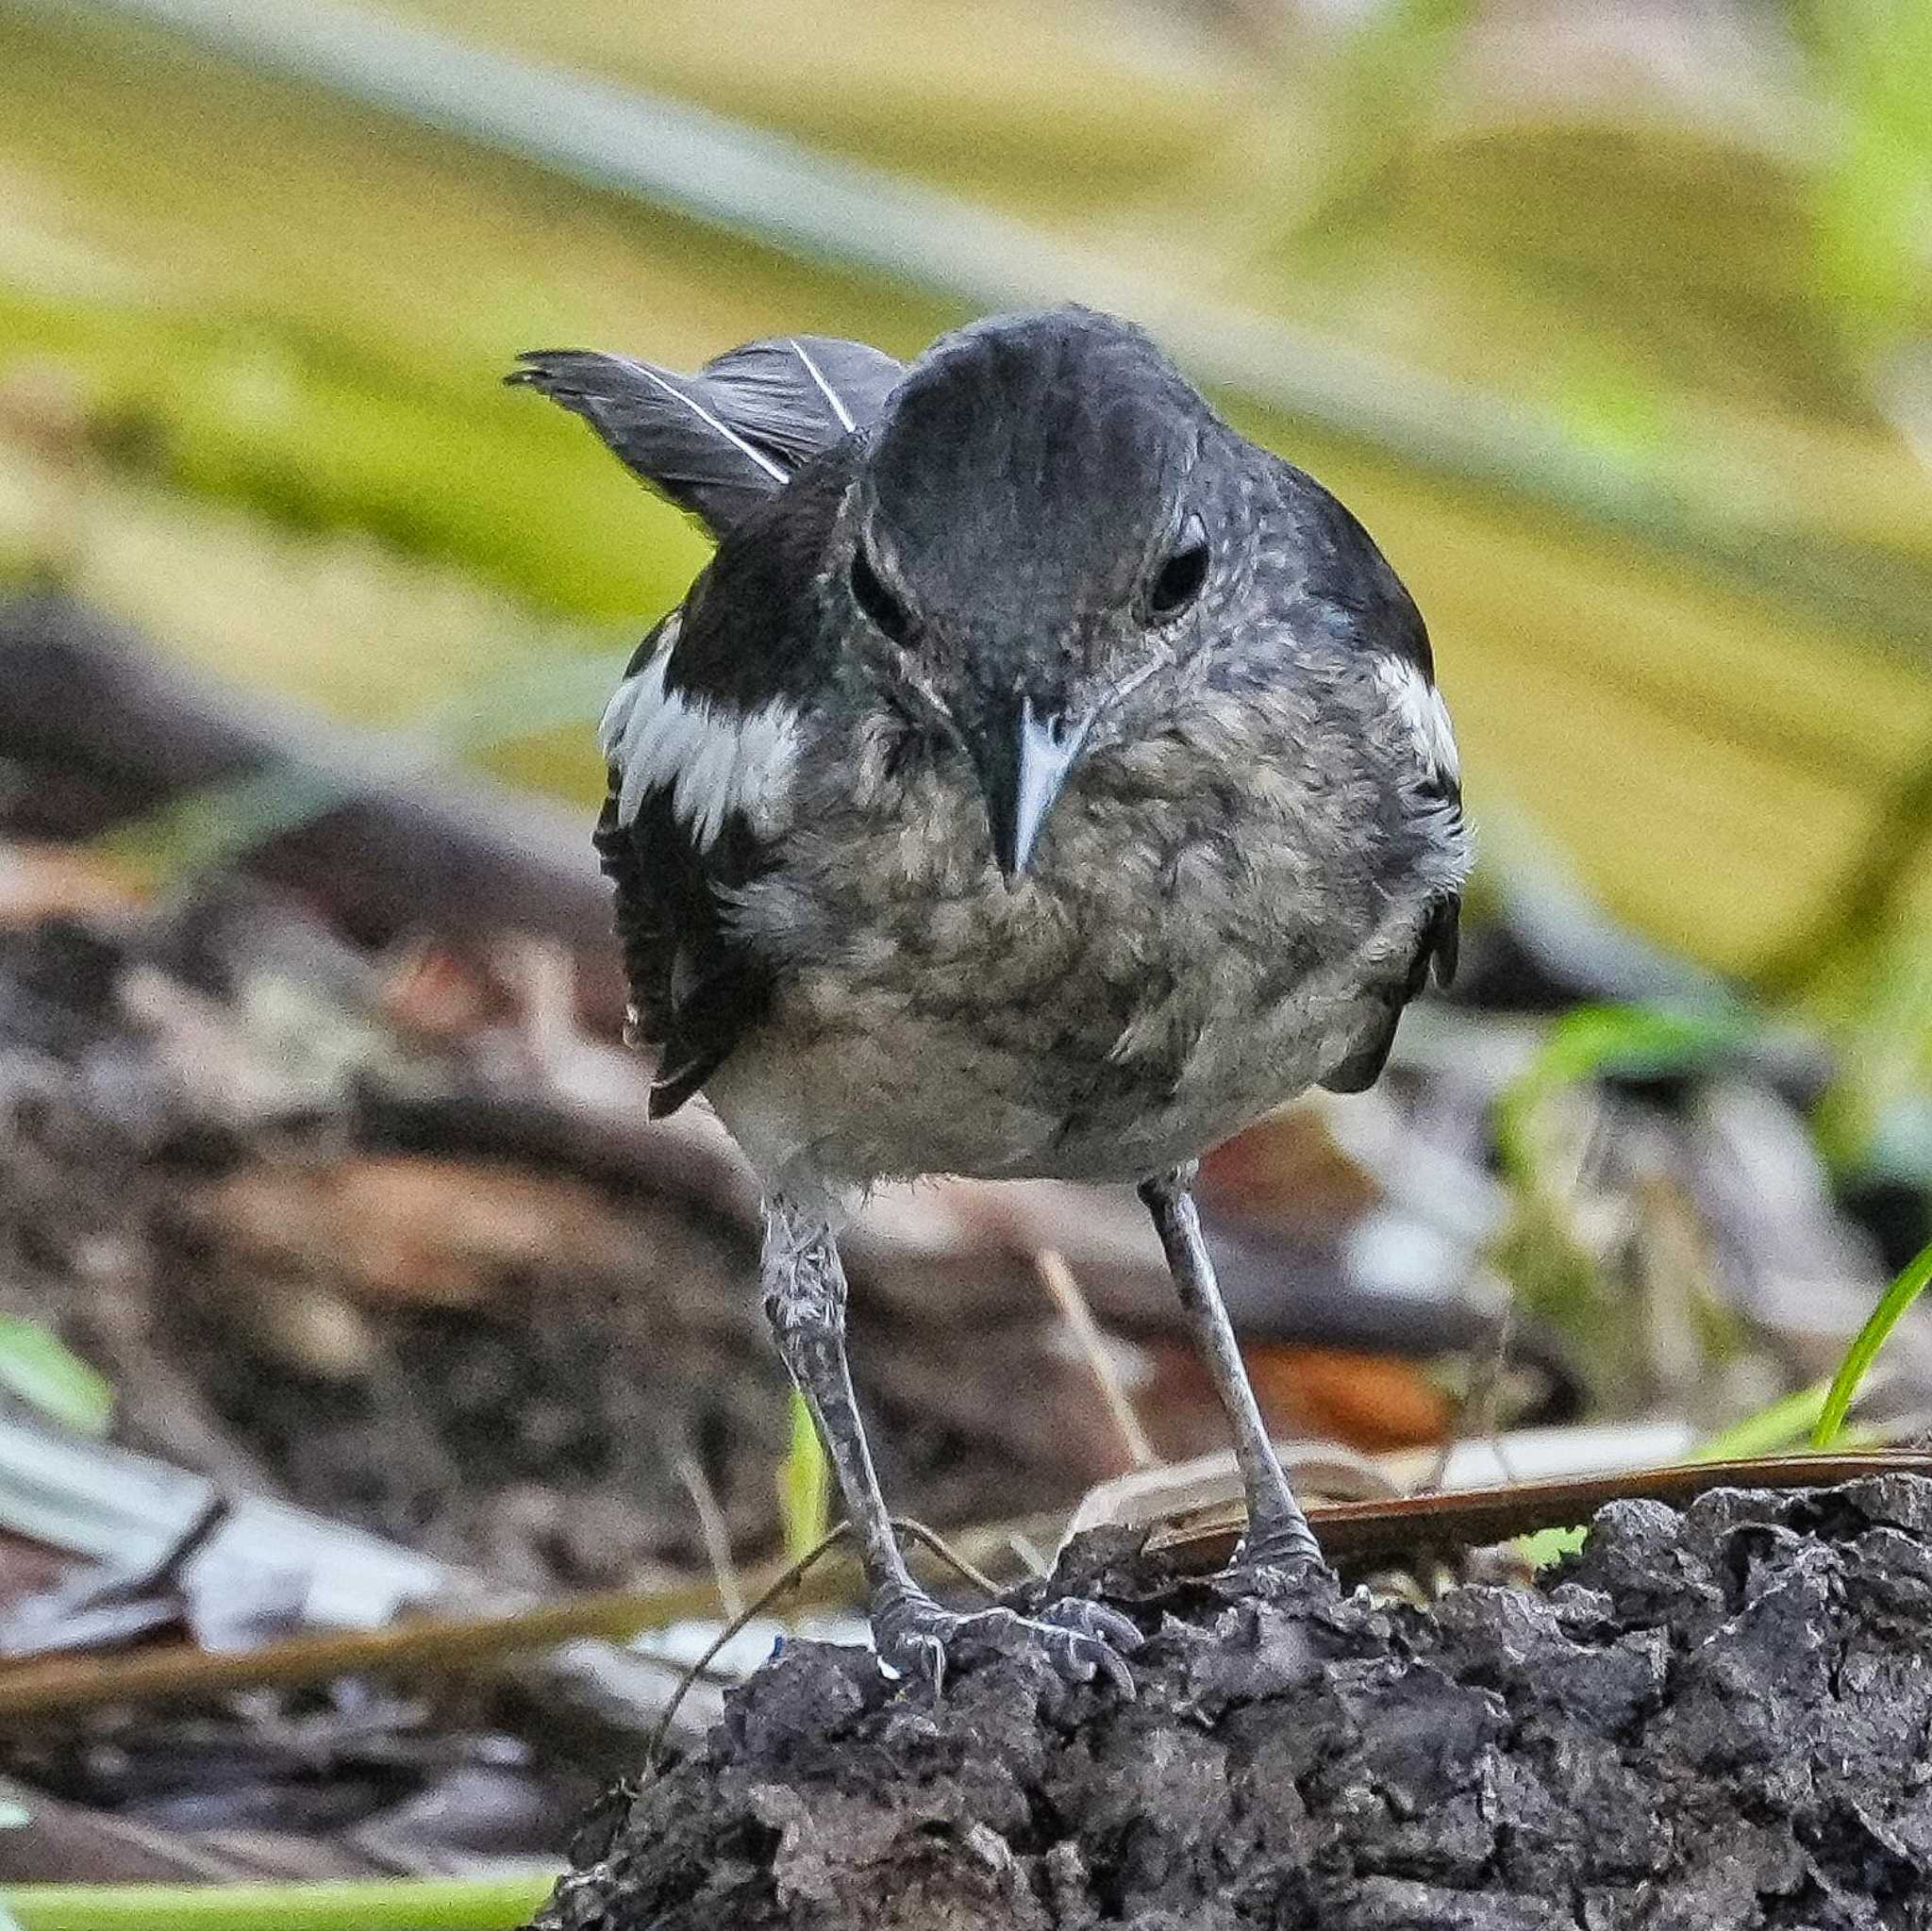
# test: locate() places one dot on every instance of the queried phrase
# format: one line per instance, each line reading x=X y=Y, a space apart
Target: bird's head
x=1030 y=541
x=1039 y=528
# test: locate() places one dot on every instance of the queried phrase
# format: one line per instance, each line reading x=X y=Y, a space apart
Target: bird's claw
x=1080 y=1639
x=1278 y=1556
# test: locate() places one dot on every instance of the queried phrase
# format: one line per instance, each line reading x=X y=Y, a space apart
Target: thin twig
x=926 y=1537
x=66 y=1684
x=1024 y=1549
x=1065 y=1289
x=1359 y=1534
x=1481 y=1403
x=791 y=1574
x=461 y=1641
x=932 y=1540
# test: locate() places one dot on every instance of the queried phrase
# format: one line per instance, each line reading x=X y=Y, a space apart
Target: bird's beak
x=1024 y=759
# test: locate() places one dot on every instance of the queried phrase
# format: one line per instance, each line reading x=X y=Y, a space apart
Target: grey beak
x=1024 y=760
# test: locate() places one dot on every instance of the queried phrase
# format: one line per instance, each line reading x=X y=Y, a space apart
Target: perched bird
x=1041 y=781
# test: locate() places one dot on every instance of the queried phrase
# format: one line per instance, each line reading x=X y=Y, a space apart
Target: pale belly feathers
x=1160 y=978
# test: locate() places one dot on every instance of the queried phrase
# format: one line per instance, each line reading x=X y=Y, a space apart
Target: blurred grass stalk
x=805 y=1486
x=208 y=830
x=1551 y=1269
x=425 y=1904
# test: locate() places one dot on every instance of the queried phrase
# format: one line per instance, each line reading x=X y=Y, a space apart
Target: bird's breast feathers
x=1181 y=955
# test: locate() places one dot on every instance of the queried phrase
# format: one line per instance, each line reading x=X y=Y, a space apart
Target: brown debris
x=406 y=1232
x=49 y=881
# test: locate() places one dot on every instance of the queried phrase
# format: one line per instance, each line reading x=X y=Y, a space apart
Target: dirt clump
x=1715 y=1719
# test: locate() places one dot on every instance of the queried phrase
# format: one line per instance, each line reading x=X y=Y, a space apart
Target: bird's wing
x=692 y=781
x=703 y=741
x=695 y=991
x=720 y=442
x=796 y=394
x=1366 y=1058
x=1426 y=804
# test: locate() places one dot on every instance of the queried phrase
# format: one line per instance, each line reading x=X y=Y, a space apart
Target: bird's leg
x=805 y=1301
x=1278 y=1536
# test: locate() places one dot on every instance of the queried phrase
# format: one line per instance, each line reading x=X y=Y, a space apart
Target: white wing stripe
x=711 y=420
x=825 y=389
x=715 y=761
x=1419 y=706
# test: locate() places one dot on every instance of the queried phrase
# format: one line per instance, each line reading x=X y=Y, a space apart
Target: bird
x=1040 y=779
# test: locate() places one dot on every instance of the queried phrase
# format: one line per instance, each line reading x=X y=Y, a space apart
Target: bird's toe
x=1096 y=1619
x=1081 y=1640
x=1079 y=1657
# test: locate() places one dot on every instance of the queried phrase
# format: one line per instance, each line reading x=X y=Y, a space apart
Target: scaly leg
x=1279 y=1535
x=805 y=1301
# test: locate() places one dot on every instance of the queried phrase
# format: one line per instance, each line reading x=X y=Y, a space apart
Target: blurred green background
x=1612 y=319
x=1613 y=322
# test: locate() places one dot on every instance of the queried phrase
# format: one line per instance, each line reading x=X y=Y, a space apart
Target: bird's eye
x=876 y=600
x=1178 y=580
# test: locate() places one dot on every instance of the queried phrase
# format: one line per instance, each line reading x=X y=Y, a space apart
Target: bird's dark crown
x=1020 y=494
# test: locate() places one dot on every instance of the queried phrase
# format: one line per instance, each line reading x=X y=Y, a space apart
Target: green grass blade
x=1863 y=1351
x=1781 y=1424
x=45 y=1374
x=805 y=1484
x=1595 y=1040
x=491 y=1903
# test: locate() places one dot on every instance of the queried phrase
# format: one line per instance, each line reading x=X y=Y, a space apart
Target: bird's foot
x=1277 y=1557
x=1080 y=1639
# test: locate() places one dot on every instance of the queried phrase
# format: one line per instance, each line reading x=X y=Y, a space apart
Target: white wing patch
x=1420 y=706
x=713 y=760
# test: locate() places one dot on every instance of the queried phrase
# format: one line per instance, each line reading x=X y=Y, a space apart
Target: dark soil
x=1717 y=1720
